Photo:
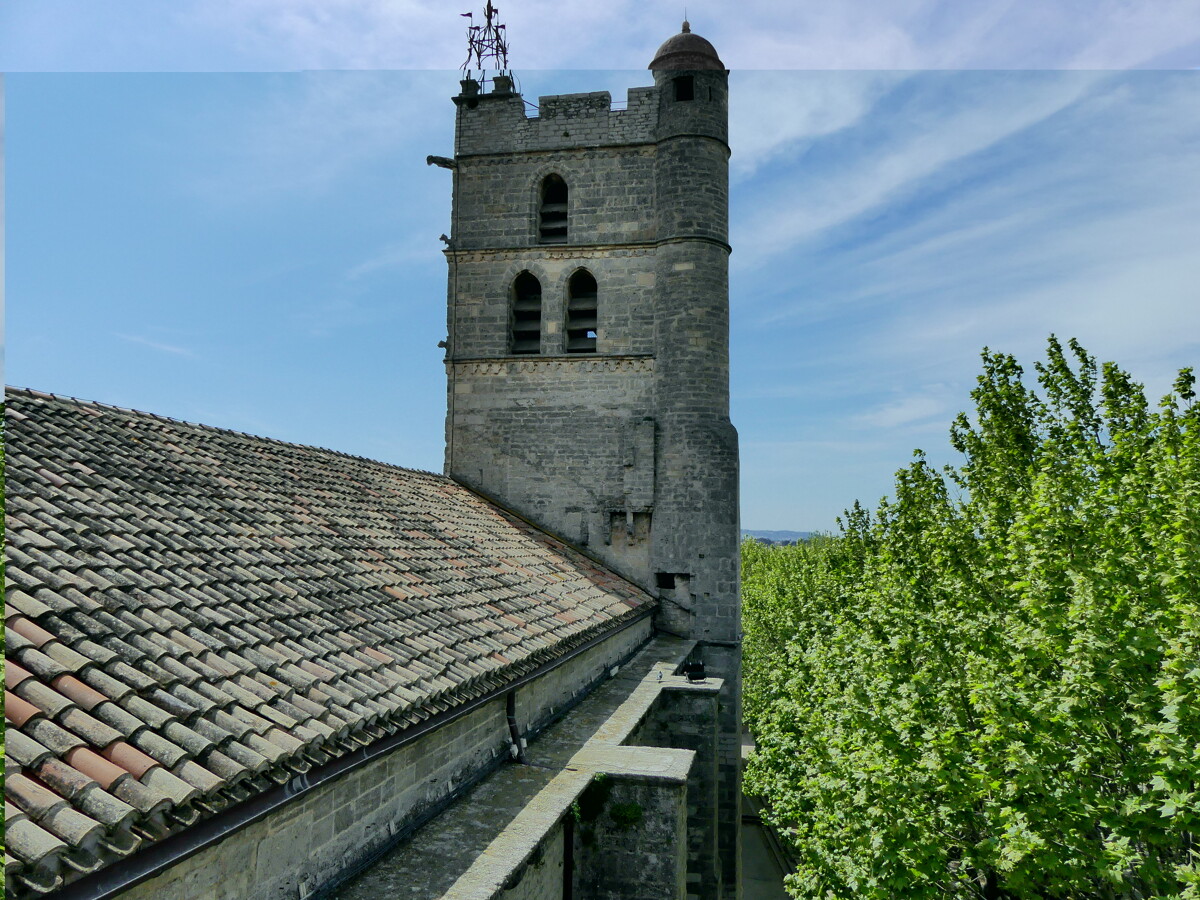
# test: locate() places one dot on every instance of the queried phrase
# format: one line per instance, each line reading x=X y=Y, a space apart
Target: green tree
x=989 y=687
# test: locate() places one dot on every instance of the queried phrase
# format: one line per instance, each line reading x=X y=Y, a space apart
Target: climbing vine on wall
x=990 y=687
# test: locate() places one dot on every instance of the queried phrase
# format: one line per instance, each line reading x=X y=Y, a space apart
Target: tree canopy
x=990 y=687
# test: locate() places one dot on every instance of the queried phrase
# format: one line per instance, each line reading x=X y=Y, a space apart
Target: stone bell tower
x=588 y=350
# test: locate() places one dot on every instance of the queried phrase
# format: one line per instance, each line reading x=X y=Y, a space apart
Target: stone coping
x=470 y=850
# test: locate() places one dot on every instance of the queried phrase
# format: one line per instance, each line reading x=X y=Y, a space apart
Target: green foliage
x=991 y=686
x=626 y=815
x=591 y=802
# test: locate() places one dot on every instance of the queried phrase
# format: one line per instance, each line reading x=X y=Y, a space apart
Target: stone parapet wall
x=637 y=848
x=292 y=852
x=497 y=124
x=547 y=698
x=688 y=719
x=542 y=877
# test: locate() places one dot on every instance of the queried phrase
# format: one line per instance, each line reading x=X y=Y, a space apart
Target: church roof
x=686 y=51
x=196 y=615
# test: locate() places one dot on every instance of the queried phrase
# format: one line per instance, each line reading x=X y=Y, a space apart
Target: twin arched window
x=526 y=317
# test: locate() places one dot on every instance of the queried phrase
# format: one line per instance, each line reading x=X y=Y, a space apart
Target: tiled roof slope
x=194 y=615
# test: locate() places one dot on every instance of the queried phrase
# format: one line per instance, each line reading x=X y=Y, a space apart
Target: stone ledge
x=503 y=366
x=473 y=849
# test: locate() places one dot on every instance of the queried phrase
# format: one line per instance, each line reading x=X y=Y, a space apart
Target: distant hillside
x=778 y=537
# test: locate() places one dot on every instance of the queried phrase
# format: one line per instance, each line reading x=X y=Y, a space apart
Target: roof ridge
x=15 y=390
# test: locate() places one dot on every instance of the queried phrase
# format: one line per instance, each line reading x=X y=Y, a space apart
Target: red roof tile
x=195 y=614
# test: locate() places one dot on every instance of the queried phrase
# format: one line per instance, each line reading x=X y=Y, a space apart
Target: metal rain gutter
x=161 y=855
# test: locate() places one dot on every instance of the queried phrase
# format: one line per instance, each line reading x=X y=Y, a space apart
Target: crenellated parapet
x=500 y=123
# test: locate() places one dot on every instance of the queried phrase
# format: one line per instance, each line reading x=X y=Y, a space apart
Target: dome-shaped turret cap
x=687 y=51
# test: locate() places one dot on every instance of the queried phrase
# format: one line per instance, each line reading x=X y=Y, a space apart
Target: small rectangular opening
x=665 y=580
x=685 y=87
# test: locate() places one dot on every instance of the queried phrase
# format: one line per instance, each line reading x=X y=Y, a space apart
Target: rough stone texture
x=627 y=452
x=335 y=828
x=541 y=701
x=642 y=860
x=494 y=836
x=542 y=877
x=688 y=719
x=497 y=124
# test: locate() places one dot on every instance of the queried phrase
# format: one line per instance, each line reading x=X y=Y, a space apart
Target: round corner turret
x=693 y=88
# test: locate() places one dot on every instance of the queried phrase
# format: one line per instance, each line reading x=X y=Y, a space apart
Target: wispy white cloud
x=1075 y=211
x=574 y=34
x=156 y=345
x=902 y=159
x=930 y=406
x=300 y=134
x=230 y=35
x=773 y=114
x=1094 y=237
x=400 y=254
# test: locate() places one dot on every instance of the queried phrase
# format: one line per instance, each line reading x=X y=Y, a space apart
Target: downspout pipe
x=516 y=742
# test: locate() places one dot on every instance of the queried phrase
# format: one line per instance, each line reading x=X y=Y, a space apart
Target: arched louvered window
x=526 y=314
x=581 y=313
x=552 y=216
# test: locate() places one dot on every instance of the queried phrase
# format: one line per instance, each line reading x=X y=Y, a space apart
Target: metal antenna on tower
x=487 y=46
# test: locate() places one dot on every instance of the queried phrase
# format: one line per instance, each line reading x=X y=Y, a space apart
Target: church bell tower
x=588 y=351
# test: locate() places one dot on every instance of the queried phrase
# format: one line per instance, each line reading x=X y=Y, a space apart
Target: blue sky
x=258 y=249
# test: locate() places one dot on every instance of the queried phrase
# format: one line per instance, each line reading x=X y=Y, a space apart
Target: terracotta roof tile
x=195 y=614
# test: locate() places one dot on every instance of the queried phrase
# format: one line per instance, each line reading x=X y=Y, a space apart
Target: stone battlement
x=500 y=123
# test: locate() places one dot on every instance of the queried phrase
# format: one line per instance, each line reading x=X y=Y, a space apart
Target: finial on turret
x=487 y=46
x=686 y=50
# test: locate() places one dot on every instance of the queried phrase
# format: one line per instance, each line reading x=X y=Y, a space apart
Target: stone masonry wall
x=542 y=877
x=297 y=849
x=511 y=418
x=543 y=700
x=498 y=124
x=688 y=720
x=636 y=847
x=609 y=194
x=648 y=216
x=625 y=280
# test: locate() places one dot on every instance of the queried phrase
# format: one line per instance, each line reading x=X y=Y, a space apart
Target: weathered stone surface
x=627 y=452
x=524 y=818
x=337 y=827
